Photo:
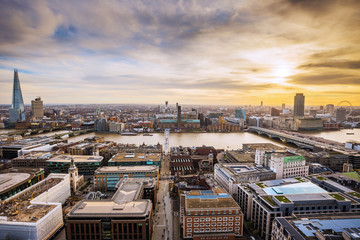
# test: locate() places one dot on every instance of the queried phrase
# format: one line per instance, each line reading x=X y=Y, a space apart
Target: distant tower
x=17 y=110
x=179 y=117
x=98 y=110
x=283 y=106
x=341 y=114
x=299 y=105
x=261 y=103
x=37 y=108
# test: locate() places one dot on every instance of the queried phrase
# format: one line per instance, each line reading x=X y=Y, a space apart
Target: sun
x=280 y=73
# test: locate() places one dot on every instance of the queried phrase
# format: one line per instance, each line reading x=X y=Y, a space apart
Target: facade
x=86 y=164
x=317 y=227
x=124 y=216
x=284 y=163
x=210 y=214
x=229 y=175
x=107 y=177
x=308 y=124
x=264 y=201
x=136 y=159
x=17 y=110
x=116 y=127
x=36 y=212
x=183 y=164
x=33 y=160
x=299 y=105
x=37 y=108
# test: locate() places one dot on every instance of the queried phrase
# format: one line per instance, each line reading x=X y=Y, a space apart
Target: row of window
x=212 y=212
x=213 y=219
x=213 y=224
x=219 y=229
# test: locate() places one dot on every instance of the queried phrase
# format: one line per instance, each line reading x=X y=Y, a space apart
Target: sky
x=228 y=52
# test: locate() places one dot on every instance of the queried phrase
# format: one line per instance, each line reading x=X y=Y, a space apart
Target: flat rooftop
x=10 y=180
x=136 y=157
x=295 y=188
x=308 y=227
x=77 y=158
x=208 y=199
x=126 y=169
x=27 y=212
x=37 y=155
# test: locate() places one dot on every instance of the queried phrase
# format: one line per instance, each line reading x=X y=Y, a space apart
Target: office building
x=37 y=108
x=317 y=227
x=299 y=105
x=107 y=177
x=330 y=108
x=262 y=202
x=14 y=180
x=86 y=164
x=125 y=216
x=210 y=214
x=341 y=114
x=136 y=159
x=284 y=163
x=229 y=175
x=17 y=110
x=240 y=113
x=36 y=212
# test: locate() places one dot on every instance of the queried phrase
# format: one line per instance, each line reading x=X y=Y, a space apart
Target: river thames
x=218 y=140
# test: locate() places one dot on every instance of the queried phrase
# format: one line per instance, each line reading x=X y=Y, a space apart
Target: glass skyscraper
x=17 y=110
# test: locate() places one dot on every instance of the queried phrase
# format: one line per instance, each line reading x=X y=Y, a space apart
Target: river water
x=218 y=140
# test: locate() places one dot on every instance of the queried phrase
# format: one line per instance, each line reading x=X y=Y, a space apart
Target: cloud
x=339 y=64
x=325 y=79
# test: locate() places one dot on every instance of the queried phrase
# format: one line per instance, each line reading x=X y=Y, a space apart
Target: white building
x=284 y=163
x=39 y=218
x=116 y=127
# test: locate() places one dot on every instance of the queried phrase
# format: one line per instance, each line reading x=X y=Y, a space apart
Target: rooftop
x=77 y=158
x=295 y=188
x=209 y=200
x=126 y=169
x=135 y=157
x=10 y=180
x=353 y=175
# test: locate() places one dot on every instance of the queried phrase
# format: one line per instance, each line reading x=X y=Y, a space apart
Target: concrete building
x=124 y=216
x=86 y=164
x=308 y=124
x=36 y=212
x=136 y=159
x=210 y=214
x=341 y=114
x=37 y=108
x=107 y=177
x=284 y=163
x=299 y=105
x=240 y=113
x=33 y=160
x=116 y=127
x=264 y=201
x=229 y=175
x=15 y=180
x=317 y=227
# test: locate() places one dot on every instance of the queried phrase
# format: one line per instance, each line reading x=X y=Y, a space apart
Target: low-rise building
x=229 y=175
x=264 y=201
x=107 y=177
x=14 y=180
x=33 y=160
x=317 y=227
x=124 y=216
x=86 y=164
x=136 y=159
x=210 y=214
x=284 y=163
x=36 y=212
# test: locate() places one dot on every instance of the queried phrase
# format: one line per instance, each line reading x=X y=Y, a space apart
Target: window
x=196 y=230
x=196 y=219
x=225 y=224
x=213 y=229
x=225 y=218
x=219 y=218
x=189 y=220
x=230 y=223
x=231 y=218
x=202 y=220
x=208 y=224
x=189 y=225
x=208 y=219
x=237 y=218
x=196 y=224
x=237 y=224
x=213 y=219
x=219 y=224
x=189 y=230
x=230 y=228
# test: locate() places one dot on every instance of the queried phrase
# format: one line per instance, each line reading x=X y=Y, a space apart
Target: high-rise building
x=17 y=110
x=330 y=108
x=341 y=114
x=37 y=108
x=240 y=113
x=283 y=106
x=299 y=105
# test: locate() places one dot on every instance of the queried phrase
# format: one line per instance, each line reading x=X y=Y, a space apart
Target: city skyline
x=228 y=53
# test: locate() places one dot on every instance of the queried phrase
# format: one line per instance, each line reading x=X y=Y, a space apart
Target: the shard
x=17 y=110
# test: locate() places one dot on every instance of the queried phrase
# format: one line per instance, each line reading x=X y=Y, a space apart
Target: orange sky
x=191 y=52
